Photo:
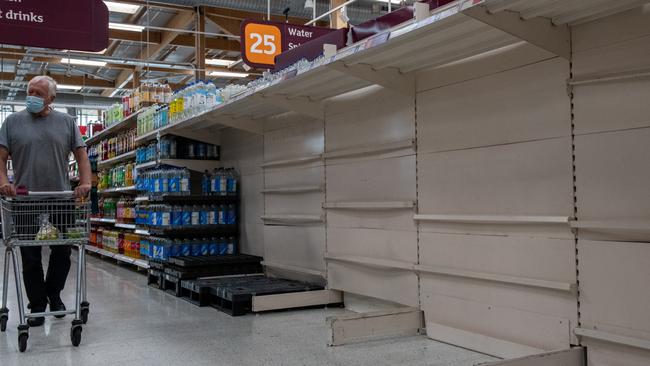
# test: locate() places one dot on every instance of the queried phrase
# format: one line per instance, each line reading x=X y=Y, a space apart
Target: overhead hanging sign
x=62 y=24
x=261 y=40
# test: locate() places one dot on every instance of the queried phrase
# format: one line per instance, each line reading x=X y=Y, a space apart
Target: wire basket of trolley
x=37 y=219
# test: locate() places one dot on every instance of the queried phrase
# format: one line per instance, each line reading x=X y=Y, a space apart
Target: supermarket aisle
x=132 y=324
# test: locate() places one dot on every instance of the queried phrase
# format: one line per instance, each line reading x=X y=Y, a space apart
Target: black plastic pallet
x=212 y=266
x=234 y=295
x=204 y=261
x=197 y=291
x=155 y=278
x=172 y=285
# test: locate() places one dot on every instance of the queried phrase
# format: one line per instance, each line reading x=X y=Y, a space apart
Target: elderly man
x=39 y=141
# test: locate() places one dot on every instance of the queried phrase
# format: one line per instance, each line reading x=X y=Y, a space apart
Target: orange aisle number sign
x=263 y=42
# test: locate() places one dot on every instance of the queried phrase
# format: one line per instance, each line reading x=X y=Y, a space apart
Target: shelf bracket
x=540 y=32
x=300 y=105
x=389 y=78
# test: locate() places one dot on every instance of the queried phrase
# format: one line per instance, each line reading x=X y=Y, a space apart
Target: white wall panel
x=624 y=56
x=608 y=354
x=375 y=180
x=370 y=219
x=283 y=177
x=611 y=106
x=305 y=203
x=498 y=311
x=532 y=178
x=380 y=117
x=244 y=151
x=615 y=287
x=500 y=60
x=612 y=175
x=383 y=244
x=300 y=140
x=536 y=258
x=392 y=285
x=528 y=103
x=299 y=246
x=629 y=25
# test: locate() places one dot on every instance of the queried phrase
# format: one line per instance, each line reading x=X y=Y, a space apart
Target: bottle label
x=187 y=218
x=211 y=218
x=203 y=218
x=185 y=185
x=174 y=185
x=223 y=186
x=165 y=185
x=222 y=219
x=165 y=218
x=195 y=218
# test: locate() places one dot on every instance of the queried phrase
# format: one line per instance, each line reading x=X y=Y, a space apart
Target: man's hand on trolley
x=82 y=190
x=7 y=190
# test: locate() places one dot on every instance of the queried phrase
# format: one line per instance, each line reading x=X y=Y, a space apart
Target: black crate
x=172 y=285
x=155 y=278
x=212 y=266
x=197 y=291
x=234 y=295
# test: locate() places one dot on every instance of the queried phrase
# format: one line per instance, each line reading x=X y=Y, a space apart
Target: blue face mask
x=34 y=104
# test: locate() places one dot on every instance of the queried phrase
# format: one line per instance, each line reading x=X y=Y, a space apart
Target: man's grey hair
x=51 y=83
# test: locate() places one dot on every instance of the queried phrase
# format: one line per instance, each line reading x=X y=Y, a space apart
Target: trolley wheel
x=22 y=341
x=85 y=309
x=3 y=322
x=84 y=316
x=75 y=335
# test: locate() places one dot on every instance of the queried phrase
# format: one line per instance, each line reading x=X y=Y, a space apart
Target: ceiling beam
x=155 y=4
x=182 y=40
x=80 y=80
x=242 y=14
x=228 y=25
x=180 y=21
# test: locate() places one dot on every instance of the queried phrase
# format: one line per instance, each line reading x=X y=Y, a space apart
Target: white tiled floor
x=133 y=324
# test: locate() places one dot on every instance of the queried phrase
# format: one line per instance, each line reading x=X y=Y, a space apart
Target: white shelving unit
x=118 y=159
x=119 y=257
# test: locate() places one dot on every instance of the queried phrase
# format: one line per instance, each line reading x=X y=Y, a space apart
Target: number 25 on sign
x=262 y=43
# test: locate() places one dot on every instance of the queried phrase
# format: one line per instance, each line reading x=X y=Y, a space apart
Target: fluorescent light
x=122 y=7
x=74 y=61
x=228 y=74
x=68 y=87
x=126 y=27
x=219 y=62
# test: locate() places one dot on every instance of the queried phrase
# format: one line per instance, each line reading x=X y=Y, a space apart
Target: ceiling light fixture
x=122 y=7
x=228 y=74
x=68 y=87
x=219 y=62
x=126 y=27
x=74 y=61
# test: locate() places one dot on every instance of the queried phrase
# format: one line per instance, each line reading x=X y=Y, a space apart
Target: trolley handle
x=22 y=191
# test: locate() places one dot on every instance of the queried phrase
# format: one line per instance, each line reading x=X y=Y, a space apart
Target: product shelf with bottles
x=180 y=152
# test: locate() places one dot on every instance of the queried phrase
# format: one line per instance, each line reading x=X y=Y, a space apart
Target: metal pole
x=268 y=10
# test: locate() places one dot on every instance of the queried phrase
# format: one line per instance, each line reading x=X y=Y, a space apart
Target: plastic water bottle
x=213 y=249
x=221 y=214
x=231 y=245
x=212 y=216
x=165 y=181
x=203 y=216
x=165 y=213
x=211 y=94
x=231 y=215
x=231 y=182
x=185 y=182
x=187 y=216
x=214 y=183
x=223 y=182
x=177 y=216
x=196 y=212
x=172 y=148
x=205 y=183
x=223 y=246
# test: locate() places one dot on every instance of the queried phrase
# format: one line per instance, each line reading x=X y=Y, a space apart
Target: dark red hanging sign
x=61 y=24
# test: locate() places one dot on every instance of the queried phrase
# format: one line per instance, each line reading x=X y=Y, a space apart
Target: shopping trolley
x=44 y=219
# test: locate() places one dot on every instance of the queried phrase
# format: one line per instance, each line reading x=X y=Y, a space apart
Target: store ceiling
x=172 y=61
